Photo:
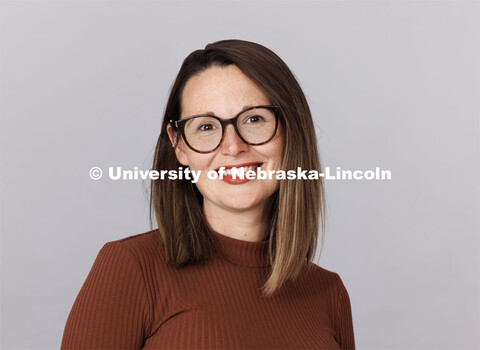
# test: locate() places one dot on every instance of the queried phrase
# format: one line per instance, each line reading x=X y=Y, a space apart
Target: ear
x=178 y=145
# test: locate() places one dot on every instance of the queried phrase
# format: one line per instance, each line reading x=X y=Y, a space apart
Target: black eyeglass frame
x=180 y=124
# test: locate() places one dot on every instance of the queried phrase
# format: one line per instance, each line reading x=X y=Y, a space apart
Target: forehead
x=222 y=91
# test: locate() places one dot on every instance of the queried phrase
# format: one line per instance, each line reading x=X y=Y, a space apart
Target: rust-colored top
x=132 y=299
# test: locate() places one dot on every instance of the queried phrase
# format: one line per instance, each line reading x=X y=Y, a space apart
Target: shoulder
x=326 y=278
x=149 y=237
x=320 y=272
x=139 y=244
x=144 y=248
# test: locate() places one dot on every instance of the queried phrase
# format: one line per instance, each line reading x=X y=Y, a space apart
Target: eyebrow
x=211 y=113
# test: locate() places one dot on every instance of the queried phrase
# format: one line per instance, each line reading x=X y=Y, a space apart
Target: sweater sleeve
x=111 y=310
x=344 y=322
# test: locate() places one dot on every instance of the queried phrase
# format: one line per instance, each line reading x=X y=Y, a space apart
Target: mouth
x=227 y=170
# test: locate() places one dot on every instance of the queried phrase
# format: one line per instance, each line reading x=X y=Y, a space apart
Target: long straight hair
x=296 y=210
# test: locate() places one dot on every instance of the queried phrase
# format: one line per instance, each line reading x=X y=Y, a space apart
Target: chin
x=243 y=201
x=240 y=205
x=240 y=197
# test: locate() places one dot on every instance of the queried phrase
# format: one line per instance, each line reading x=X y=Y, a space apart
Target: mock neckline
x=244 y=253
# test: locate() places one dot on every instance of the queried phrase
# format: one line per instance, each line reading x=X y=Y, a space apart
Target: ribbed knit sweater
x=131 y=299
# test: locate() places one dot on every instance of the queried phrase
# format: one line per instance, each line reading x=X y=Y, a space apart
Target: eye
x=254 y=119
x=206 y=127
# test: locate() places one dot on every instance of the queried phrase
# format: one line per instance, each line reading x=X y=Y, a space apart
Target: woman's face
x=225 y=91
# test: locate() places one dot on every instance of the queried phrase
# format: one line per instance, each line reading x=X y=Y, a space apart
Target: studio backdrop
x=391 y=84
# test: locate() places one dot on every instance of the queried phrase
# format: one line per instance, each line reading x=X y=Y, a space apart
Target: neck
x=245 y=224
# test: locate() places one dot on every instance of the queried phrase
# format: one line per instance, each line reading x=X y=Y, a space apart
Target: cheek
x=278 y=149
x=276 y=145
x=274 y=149
x=198 y=161
x=204 y=184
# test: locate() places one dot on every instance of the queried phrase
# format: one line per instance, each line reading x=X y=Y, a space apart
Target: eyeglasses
x=204 y=133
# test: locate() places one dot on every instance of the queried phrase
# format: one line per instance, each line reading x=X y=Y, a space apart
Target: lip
x=238 y=165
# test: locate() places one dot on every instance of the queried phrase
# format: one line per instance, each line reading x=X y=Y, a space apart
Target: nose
x=232 y=144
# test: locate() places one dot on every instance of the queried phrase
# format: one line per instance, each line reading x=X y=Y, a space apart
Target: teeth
x=242 y=170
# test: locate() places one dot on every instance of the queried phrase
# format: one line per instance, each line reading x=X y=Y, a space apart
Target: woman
x=230 y=263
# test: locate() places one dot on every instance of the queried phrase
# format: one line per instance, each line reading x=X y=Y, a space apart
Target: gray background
x=390 y=84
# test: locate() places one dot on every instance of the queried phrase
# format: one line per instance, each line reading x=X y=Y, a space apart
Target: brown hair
x=295 y=207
